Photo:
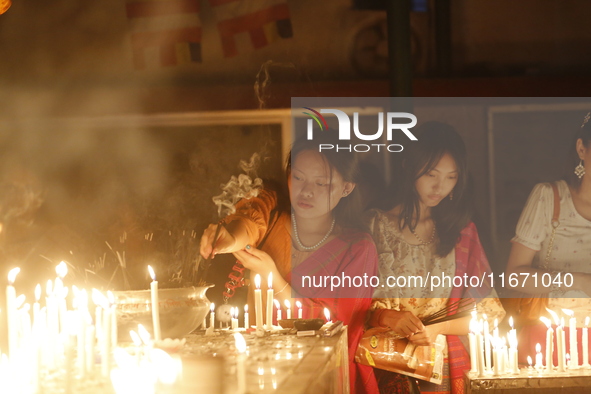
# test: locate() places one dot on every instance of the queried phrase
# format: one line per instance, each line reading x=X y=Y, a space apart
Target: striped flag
x=164 y=32
x=250 y=23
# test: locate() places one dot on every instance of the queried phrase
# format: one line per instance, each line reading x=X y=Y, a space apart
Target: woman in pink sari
x=314 y=239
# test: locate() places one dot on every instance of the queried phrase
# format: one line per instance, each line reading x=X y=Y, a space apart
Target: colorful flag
x=260 y=21
x=164 y=32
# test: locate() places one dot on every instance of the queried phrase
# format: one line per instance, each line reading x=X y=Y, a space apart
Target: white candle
x=258 y=303
x=240 y=363
x=539 y=364
x=567 y=358
x=61 y=292
x=529 y=363
x=586 y=343
x=114 y=333
x=487 y=349
x=212 y=315
x=513 y=356
x=472 y=340
x=287 y=309
x=81 y=300
x=270 y=295
x=572 y=339
x=106 y=349
x=549 y=343
x=299 y=306
x=234 y=321
x=90 y=345
x=495 y=356
x=480 y=353
x=246 y=317
x=36 y=305
x=560 y=347
x=278 y=306
x=155 y=305
x=11 y=313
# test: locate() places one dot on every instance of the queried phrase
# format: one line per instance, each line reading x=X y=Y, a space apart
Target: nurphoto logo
x=345 y=130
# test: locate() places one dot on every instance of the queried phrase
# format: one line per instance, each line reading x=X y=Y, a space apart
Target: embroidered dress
x=400 y=259
x=350 y=253
x=571 y=252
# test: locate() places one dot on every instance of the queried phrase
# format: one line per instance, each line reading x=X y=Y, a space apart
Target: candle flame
x=529 y=360
x=568 y=312
x=12 y=275
x=270 y=280
x=137 y=341
x=151 y=271
x=239 y=342
x=277 y=304
x=212 y=307
x=246 y=308
x=554 y=316
x=261 y=371
x=511 y=321
x=99 y=299
x=61 y=269
x=567 y=357
x=257 y=281
x=474 y=313
x=546 y=321
x=484 y=316
x=111 y=297
x=587 y=321
x=144 y=334
x=538 y=348
x=37 y=292
x=287 y=304
x=327 y=314
x=299 y=304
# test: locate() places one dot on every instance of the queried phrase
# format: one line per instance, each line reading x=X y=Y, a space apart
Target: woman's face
x=312 y=190
x=436 y=184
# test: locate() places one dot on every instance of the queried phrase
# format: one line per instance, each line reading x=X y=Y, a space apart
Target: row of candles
x=489 y=353
x=58 y=339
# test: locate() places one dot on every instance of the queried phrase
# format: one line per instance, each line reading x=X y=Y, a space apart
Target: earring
x=451 y=195
x=345 y=194
x=580 y=170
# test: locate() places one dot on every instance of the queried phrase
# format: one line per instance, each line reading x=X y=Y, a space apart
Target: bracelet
x=283 y=288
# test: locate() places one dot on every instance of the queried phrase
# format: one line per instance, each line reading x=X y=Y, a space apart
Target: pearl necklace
x=297 y=238
x=421 y=240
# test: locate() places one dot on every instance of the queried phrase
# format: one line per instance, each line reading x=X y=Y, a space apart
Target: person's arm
x=403 y=323
x=451 y=327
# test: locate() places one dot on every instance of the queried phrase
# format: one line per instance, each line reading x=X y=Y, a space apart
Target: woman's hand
x=256 y=260
x=403 y=323
x=225 y=242
x=428 y=336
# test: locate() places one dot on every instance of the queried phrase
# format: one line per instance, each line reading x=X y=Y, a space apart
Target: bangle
x=283 y=288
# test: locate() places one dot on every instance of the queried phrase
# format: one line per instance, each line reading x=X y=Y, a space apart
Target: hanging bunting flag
x=164 y=32
x=248 y=24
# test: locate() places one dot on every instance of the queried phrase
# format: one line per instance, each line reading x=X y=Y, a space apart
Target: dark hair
x=435 y=139
x=348 y=211
x=584 y=133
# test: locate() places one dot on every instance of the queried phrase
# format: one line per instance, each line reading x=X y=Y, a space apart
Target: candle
x=479 y=353
x=270 y=295
x=155 y=305
x=111 y=298
x=572 y=339
x=234 y=321
x=61 y=292
x=539 y=365
x=278 y=306
x=258 y=303
x=240 y=363
x=36 y=305
x=299 y=306
x=90 y=345
x=212 y=315
x=513 y=363
x=11 y=313
x=586 y=343
x=287 y=308
x=561 y=351
x=487 y=349
x=529 y=362
x=81 y=300
x=495 y=356
x=549 y=343
x=472 y=340
x=246 y=317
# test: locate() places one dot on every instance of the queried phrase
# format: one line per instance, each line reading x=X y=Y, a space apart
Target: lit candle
x=299 y=306
x=278 y=306
x=529 y=362
x=586 y=343
x=539 y=365
x=240 y=362
x=270 y=295
x=61 y=293
x=327 y=315
x=258 y=303
x=549 y=343
x=561 y=351
x=111 y=298
x=11 y=313
x=234 y=321
x=90 y=344
x=568 y=360
x=36 y=305
x=155 y=305
x=81 y=300
x=513 y=356
x=287 y=308
x=479 y=352
x=495 y=356
x=572 y=339
x=212 y=315
x=472 y=340
x=246 y=317
x=487 y=349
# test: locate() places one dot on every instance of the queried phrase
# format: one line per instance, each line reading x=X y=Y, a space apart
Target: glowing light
x=12 y=275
